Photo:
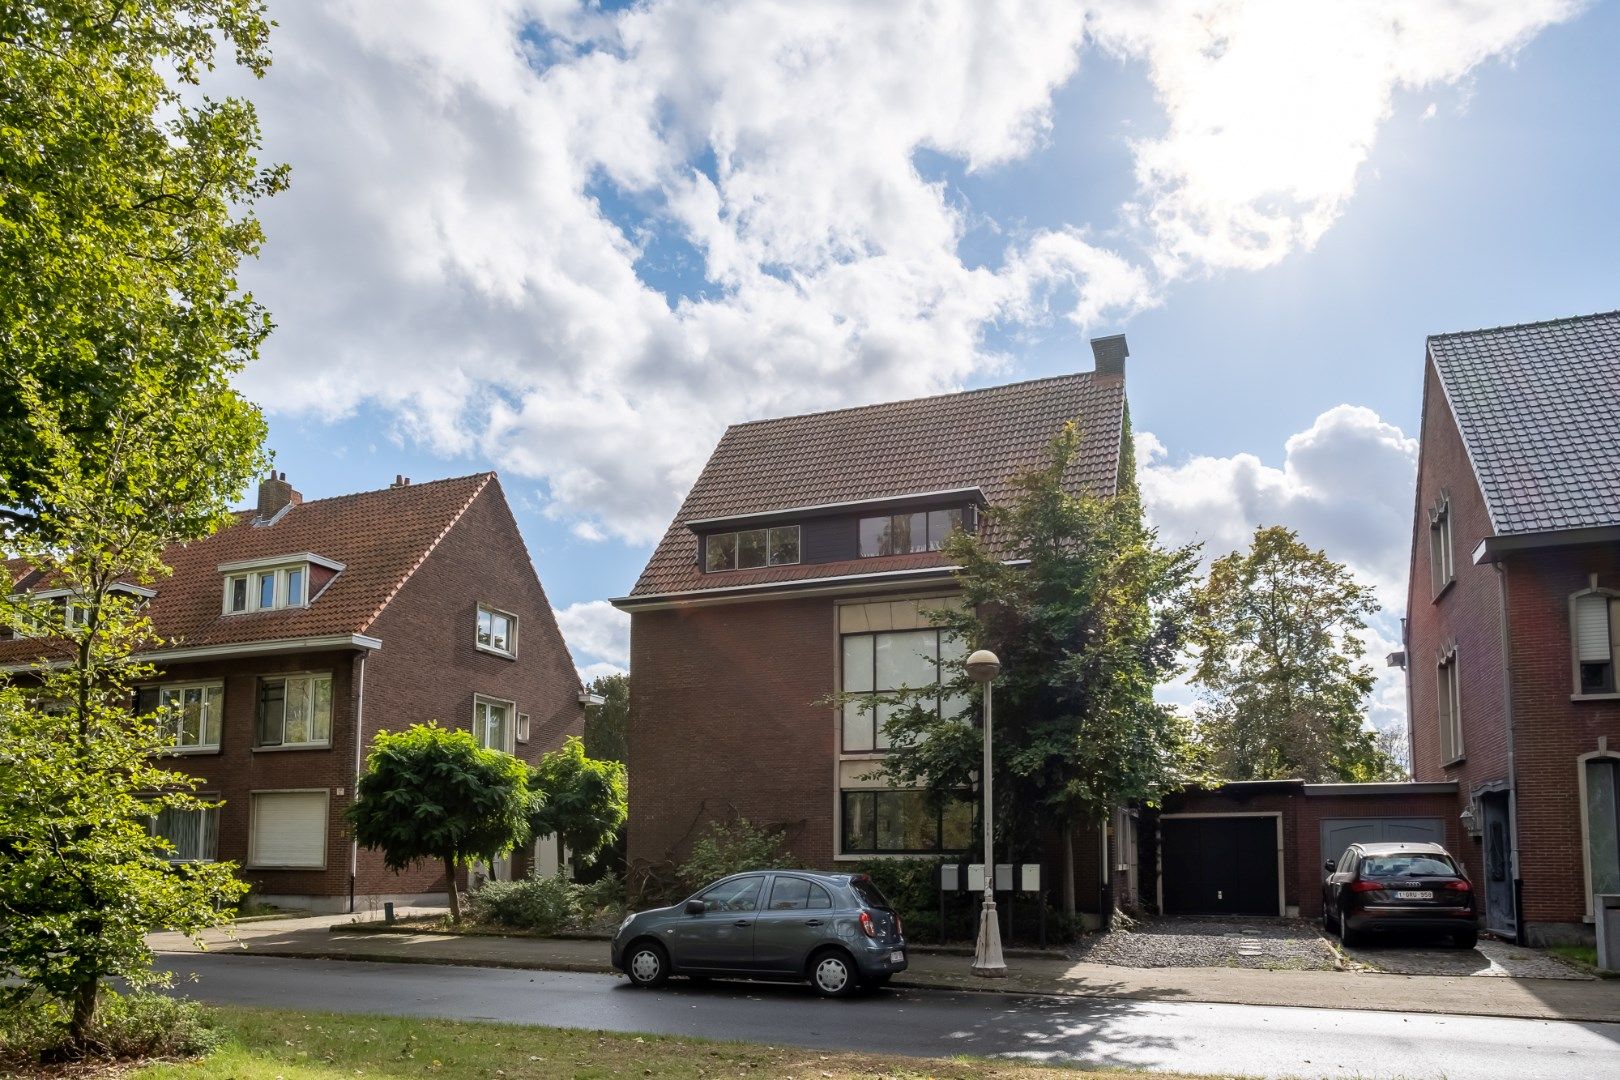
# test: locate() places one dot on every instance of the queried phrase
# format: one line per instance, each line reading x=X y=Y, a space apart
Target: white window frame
x=522 y=729
x=312 y=678
x=253 y=862
x=1448 y=688
x=1613 y=612
x=213 y=724
x=1442 y=552
x=480 y=725
x=211 y=814
x=278 y=568
x=511 y=634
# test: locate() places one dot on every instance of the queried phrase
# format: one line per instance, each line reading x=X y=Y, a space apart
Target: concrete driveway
x=1498 y=959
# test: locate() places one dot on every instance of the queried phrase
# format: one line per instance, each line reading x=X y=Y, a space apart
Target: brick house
x=1513 y=613
x=300 y=630
x=801 y=564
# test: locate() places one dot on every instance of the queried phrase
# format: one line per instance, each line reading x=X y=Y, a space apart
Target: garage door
x=1219 y=865
x=1340 y=833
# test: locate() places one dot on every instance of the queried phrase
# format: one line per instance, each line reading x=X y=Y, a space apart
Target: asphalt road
x=1245 y=1039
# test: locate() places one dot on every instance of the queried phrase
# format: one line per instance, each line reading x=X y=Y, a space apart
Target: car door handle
x=743 y=922
x=812 y=922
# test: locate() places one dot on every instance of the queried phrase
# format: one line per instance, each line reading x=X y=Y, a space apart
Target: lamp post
x=983 y=667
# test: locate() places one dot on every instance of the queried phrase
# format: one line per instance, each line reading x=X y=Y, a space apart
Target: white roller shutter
x=289 y=829
x=1592 y=629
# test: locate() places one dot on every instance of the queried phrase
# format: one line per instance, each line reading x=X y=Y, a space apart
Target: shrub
x=542 y=903
x=602 y=901
x=912 y=887
x=731 y=848
x=129 y=1027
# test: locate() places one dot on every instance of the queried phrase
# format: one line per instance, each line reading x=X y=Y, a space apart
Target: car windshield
x=1414 y=865
x=869 y=894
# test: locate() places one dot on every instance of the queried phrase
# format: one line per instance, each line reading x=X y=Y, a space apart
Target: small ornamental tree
x=580 y=799
x=432 y=793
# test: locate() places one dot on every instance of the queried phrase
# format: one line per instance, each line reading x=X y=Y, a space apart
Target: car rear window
x=869 y=894
x=1399 y=866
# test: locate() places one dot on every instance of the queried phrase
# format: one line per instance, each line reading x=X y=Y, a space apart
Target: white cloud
x=598 y=634
x=1345 y=485
x=579 y=243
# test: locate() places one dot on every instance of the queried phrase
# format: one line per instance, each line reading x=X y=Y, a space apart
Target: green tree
x=579 y=799
x=607 y=725
x=1086 y=610
x=1277 y=633
x=125 y=207
x=432 y=793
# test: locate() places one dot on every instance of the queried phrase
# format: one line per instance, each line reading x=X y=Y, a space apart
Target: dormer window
x=751 y=548
x=276 y=583
x=902 y=534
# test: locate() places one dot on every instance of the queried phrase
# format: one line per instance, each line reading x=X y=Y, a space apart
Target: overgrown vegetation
x=731 y=847
x=132 y=1027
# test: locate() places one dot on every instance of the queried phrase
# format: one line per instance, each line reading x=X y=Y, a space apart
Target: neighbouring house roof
x=380 y=537
x=973 y=439
x=1538 y=406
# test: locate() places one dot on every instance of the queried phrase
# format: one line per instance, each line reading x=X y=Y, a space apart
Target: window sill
x=1454 y=762
x=190 y=751
x=1444 y=589
x=292 y=746
x=867 y=856
x=491 y=651
x=1609 y=696
x=281 y=866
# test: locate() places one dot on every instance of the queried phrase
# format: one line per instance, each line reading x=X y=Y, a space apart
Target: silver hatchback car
x=835 y=930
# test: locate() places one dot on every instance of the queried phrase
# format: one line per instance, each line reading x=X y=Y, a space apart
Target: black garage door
x=1219 y=865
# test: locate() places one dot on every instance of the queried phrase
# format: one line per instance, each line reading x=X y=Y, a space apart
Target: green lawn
x=265 y=1045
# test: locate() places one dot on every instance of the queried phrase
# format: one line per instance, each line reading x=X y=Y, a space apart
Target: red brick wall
x=725 y=720
x=1551 y=730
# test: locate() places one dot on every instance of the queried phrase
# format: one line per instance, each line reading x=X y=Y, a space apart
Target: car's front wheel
x=647 y=964
x=833 y=974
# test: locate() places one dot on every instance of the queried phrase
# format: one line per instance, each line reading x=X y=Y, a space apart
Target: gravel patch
x=1251 y=943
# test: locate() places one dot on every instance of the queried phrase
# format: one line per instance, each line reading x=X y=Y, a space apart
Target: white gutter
x=281 y=560
x=259 y=648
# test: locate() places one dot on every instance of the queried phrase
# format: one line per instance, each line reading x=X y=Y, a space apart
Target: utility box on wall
x=1606 y=914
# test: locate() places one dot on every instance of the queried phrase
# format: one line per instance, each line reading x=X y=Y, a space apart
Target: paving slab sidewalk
x=335 y=937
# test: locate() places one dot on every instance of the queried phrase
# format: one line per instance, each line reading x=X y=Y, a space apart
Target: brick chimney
x=1110 y=354
x=275 y=495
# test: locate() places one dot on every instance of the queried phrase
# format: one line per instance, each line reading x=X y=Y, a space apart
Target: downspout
x=1512 y=769
x=359 y=741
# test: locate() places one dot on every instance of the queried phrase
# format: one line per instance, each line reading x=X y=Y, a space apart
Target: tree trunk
x=450 y=882
x=84 y=1012
x=1068 y=869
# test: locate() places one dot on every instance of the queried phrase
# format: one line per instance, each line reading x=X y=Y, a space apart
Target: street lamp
x=983 y=667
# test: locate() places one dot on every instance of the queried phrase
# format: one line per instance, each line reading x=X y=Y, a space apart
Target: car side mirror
x=694 y=907
x=1330 y=866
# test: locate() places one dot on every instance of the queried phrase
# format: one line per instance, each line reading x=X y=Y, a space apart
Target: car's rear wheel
x=1465 y=940
x=647 y=964
x=1347 y=937
x=833 y=974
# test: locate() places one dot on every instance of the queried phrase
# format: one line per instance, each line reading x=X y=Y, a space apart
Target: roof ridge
x=1524 y=325
x=378 y=491
x=429 y=550
x=908 y=401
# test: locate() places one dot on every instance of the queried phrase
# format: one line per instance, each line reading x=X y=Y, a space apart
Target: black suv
x=1381 y=887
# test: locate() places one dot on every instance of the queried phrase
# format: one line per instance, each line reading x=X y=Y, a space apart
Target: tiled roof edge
x=909 y=400
x=1523 y=326
x=1462 y=435
x=430 y=549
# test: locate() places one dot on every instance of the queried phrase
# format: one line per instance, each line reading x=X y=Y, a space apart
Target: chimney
x=275 y=495
x=400 y=480
x=1110 y=354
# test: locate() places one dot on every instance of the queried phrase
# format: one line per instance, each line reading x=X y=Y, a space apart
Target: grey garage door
x=1340 y=833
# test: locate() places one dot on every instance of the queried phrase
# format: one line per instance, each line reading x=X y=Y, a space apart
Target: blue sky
x=572 y=244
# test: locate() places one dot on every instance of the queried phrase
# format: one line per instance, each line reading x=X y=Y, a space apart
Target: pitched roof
x=1538 y=406
x=976 y=438
x=381 y=537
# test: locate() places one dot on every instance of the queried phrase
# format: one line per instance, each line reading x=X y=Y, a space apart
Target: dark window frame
x=736 y=535
x=930 y=541
x=846 y=795
x=876 y=692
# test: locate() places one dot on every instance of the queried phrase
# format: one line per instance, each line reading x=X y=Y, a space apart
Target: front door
x=1497 y=840
x=797 y=917
x=722 y=937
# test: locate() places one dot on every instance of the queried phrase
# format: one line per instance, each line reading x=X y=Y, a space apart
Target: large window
x=901 y=534
x=492 y=723
x=1440 y=551
x=497 y=631
x=193 y=714
x=287 y=829
x=1597 y=626
x=751 y=548
x=878 y=664
x=194 y=833
x=893 y=822
x=1448 y=702
x=295 y=710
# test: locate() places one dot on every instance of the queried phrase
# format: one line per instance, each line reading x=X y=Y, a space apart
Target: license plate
x=1414 y=894
x=896 y=956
